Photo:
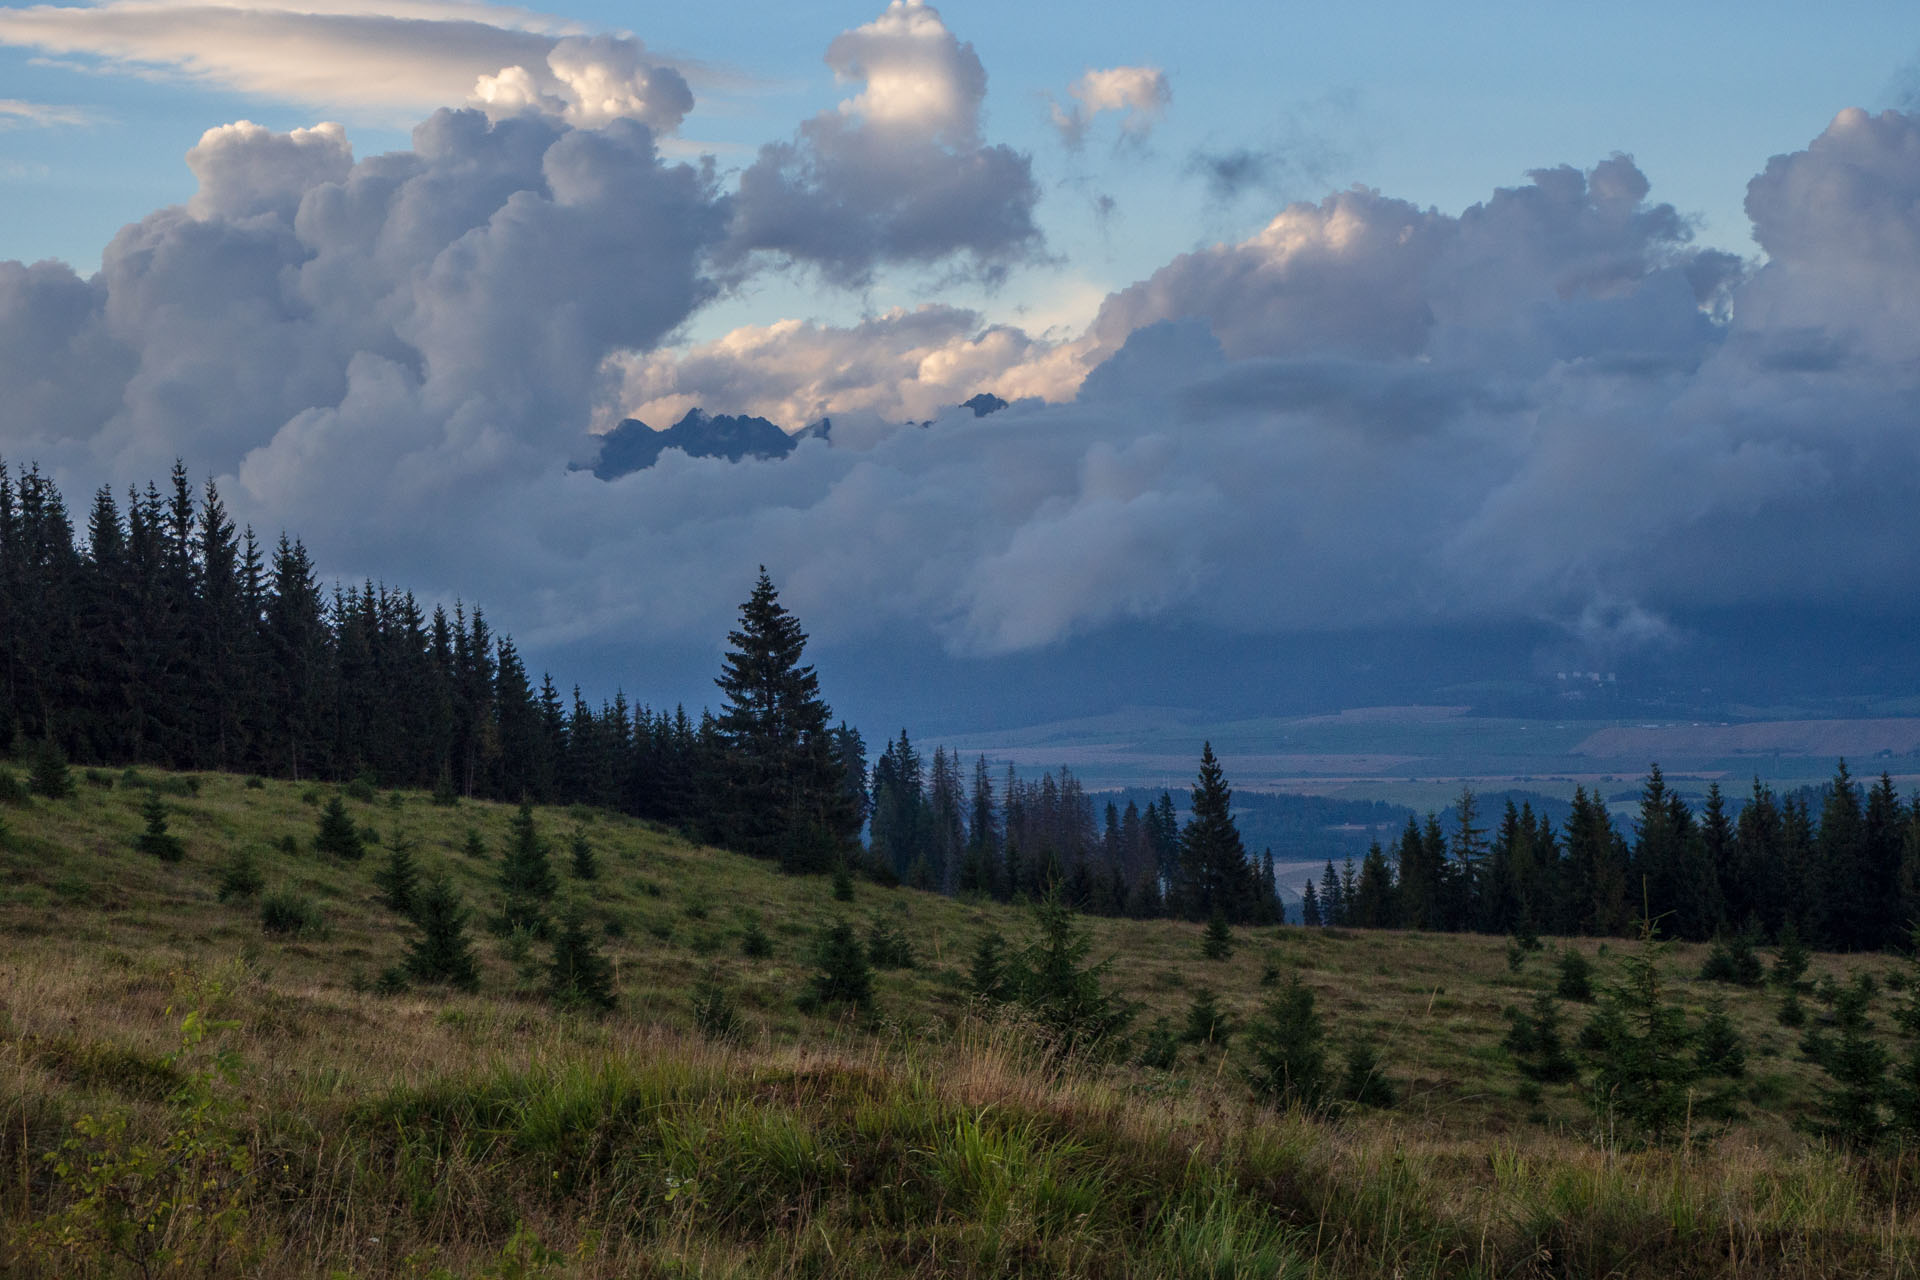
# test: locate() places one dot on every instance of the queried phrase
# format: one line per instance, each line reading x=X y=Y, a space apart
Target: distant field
x=1421 y=756
x=1858 y=740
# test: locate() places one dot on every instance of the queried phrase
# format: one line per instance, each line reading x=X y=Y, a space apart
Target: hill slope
x=432 y=1132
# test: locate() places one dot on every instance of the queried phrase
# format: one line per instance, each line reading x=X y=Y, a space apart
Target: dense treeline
x=1842 y=870
x=167 y=637
x=1035 y=837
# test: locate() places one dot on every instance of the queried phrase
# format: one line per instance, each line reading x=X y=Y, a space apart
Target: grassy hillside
x=254 y=1104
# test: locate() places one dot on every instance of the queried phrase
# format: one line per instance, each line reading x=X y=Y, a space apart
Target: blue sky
x=1579 y=321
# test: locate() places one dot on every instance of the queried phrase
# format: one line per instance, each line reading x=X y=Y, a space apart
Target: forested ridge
x=164 y=635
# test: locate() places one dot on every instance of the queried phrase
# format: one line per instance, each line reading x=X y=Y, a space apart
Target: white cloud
x=15 y=113
x=1368 y=413
x=898 y=173
x=1140 y=93
x=381 y=60
x=898 y=367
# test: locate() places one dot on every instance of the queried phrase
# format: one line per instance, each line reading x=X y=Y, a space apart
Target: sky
x=1585 y=320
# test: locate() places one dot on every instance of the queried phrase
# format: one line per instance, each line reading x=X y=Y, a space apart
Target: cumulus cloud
x=897 y=173
x=1369 y=413
x=405 y=58
x=1140 y=94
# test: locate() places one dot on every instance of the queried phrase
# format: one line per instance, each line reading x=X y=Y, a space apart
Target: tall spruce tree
x=789 y=795
x=1215 y=877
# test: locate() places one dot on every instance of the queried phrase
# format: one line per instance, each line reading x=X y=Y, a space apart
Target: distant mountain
x=635 y=446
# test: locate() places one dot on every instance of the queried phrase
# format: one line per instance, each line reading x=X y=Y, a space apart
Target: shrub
x=843 y=976
x=713 y=1011
x=754 y=942
x=99 y=778
x=155 y=839
x=842 y=883
x=1160 y=1048
x=256 y=784
x=444 y=794
x=12 y=790
x=1792 y=1013
x=336 y=834
x=1288 y=1045
x=291 y=914
x=361 y=789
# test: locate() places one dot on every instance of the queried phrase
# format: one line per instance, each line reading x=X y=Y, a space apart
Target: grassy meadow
x=183 y=1093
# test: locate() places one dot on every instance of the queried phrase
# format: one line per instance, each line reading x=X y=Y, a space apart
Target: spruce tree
x=240 y=876
x=986 y=975
x=1533 y=1038
x=578 y=975
x=48 y=775
x=1643 y=1070
x=1731 y=960
x=155 y=839
x=1207 y=1022
x=1850 y=1107
x=1576 y=975
x=1217 y=942
x=1720 y=1052
x=1363 y=1082
x=1215 y=877
x=1288 y=1045
x=1790 y=962
x=399 y=880
x=440 y=952
x=337 y=834
x=788 y=797
x=527 y=882
x=1051 y=978
x=584 y=865
x=843 y=976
